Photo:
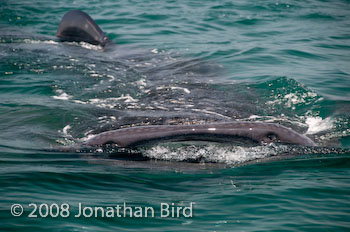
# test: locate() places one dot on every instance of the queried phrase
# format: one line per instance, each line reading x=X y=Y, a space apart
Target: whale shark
x=78 y=26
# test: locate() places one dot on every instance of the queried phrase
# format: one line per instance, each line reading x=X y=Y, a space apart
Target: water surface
x=177 y=63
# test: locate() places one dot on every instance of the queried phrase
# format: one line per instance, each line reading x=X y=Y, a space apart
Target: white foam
x=65 y=129
x=62 y=95
x=211 y=152
x=317 y=124
x=80 y=102
x=67 y=138
x=111 y=78
x=127 y=98
x=180 y=88
x=185 y=90
x=90 y=46
x=141 y=83
x=292 y=99
x=155 y=51
x=87 y=136
x=113 y=101
x=31 y=41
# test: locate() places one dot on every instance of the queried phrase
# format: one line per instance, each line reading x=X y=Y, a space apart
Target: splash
x=317 y=124
x=62 y=95
x=67 y=138
x=212 y=152
x=33 y=41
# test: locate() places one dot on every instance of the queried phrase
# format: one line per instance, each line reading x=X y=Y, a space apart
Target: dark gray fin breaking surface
x=254 y=131
x=77 y=26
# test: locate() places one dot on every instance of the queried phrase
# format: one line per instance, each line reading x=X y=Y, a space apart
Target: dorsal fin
x=78 y=26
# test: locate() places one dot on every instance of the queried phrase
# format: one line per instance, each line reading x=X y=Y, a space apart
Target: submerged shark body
x=78 y=26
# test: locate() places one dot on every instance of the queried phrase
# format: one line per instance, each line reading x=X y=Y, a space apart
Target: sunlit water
x=176 y=62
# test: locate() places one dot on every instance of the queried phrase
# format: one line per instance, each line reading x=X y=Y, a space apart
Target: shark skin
x=254 y=131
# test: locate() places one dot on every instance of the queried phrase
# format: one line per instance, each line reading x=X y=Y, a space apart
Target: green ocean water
x=176 y=62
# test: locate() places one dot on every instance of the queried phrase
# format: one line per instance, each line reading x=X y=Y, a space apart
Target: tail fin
x=78 y=26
